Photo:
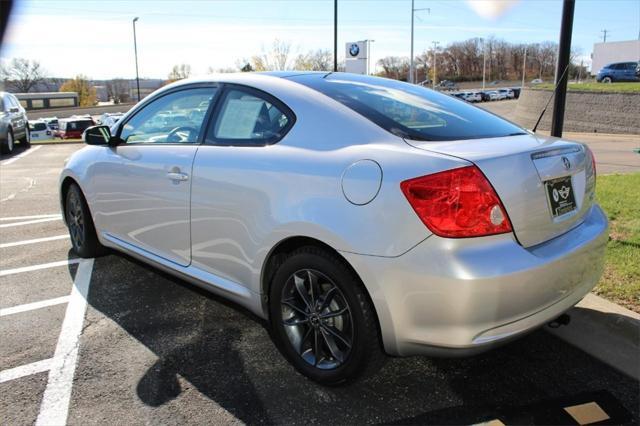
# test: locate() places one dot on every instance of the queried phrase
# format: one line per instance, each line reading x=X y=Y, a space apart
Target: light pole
x=335 y=35
x=413 y=11
x=368 y=55
x=524 y=65
x=135 y=50
x=435 y=63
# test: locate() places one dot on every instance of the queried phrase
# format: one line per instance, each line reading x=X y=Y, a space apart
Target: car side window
x=247 y=117
x=173 y=118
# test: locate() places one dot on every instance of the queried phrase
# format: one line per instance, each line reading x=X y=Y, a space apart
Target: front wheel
x=26 y=139
x=6 y=147
x=607 y=80
x=322 y=319
x=81 y=229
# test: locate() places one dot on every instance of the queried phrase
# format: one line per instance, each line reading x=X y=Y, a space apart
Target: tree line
x=458 y=61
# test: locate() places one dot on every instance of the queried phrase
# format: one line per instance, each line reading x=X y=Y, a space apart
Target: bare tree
x=276 y=59
x=22 y=74
x=318 y=60
x=118 y=90
x=179 y=72
x=395 y=67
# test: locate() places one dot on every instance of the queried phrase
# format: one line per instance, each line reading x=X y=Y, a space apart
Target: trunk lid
x=546 y=184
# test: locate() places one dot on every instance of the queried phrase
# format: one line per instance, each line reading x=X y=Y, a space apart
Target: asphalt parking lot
x=112 y=341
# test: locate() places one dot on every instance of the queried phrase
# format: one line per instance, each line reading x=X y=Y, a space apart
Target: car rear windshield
x=39 y=126
x=408 y=110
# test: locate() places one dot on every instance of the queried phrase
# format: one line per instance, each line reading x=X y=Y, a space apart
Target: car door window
x=173 y=118
x=248 y=117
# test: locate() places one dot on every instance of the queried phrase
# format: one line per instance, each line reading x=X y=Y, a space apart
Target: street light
x=368 y=55
x=135 y=50
x=413 y=10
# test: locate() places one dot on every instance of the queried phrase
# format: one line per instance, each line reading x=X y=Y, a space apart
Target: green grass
x=54 y=141
x=596 y=87
x=619 y=196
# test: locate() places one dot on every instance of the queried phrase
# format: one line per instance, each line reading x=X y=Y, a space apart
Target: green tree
x=86 y=92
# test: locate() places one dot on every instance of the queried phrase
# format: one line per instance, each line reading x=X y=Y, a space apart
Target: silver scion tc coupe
x=360 y=216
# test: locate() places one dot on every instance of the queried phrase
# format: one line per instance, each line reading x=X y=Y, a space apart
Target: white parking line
x=32 y=306
x=37 y=216
x=54 y=408
x=19 y=156
x=25 y=370
x=37 y=267
x=30 y=222
x=34 y=241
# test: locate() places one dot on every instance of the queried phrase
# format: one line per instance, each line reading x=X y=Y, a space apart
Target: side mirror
x=97 y=135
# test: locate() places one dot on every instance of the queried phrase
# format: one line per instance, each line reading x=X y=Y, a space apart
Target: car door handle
x=177 y=176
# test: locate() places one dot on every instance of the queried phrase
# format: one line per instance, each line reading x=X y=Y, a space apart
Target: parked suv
x=14 y=125
x=619 y=71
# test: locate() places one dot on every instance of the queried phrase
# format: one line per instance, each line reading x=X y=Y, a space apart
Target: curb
x=61 y=142
x=606 y=331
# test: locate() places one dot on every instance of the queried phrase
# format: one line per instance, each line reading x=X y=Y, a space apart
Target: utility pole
x=524 y=65
x=411 y=65
x=335 y=35
x=604 y=37
x=135 y=51
x=435 y=63
x=564 y=52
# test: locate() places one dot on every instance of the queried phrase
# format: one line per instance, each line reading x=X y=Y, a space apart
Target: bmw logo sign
x=354 y=49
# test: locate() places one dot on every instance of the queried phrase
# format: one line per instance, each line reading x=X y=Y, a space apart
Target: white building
x=614 y=51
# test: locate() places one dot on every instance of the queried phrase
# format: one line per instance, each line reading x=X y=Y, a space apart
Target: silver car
x=360 y=216
x=14 y=125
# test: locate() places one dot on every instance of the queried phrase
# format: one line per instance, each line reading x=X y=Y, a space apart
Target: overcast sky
x=95 y=38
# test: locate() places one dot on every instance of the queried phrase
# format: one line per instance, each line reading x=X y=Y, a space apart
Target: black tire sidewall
x=349 y=286
x=90 y=245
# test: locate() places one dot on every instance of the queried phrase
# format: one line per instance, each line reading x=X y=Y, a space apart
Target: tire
x=331 y=336
x=82 y=232
x=7 y=146
x=607 y=80
x=26 y=139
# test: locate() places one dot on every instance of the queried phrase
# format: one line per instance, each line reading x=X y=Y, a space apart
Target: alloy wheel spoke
x=313 y=287
x=316 y=347
x=333 y=314
x=302 y=291
x=289 y=303
x=328 y=297
x=337 y=334
x=306 y=336
x=329 y=340
x=295 y=321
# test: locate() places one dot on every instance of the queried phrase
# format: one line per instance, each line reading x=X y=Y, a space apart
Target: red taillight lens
x=457 y=203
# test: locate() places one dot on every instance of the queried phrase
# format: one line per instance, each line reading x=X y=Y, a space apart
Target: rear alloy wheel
x=607 y=80
x=7 y=146
x=81 y=230
x=322 y=320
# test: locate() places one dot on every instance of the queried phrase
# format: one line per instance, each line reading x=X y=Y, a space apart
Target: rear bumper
x=462 y=296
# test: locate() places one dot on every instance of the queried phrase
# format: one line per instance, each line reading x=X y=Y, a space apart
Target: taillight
x=457 y=203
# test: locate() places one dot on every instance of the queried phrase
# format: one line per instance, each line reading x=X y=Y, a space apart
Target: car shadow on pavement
x=226 y=353
x=18 y=148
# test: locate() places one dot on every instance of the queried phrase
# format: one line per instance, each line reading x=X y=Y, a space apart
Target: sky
x=95 y=38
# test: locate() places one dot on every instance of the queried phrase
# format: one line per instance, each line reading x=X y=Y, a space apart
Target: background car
x=473 y=97
x=494 y=95
x=39 y=130
x=507 y=93
x=52 y=122
x=72 y=128
x=536 y=81
x=14 y=125
x=111 y=118
x=618 y=71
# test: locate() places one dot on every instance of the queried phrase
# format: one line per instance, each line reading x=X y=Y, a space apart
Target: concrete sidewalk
x=606 y=331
